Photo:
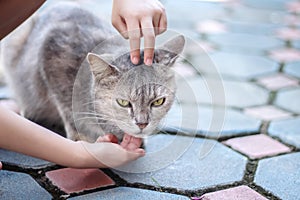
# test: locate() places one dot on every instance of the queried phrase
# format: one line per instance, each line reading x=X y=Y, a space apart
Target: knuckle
x=149 y=35
x=158 y=11
x=134 y=35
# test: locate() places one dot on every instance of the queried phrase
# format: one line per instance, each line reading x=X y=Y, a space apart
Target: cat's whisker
x=88 y=113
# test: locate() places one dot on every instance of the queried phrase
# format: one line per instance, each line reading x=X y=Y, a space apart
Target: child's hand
x=131 y=143
x=108 y=153
x=137 y=18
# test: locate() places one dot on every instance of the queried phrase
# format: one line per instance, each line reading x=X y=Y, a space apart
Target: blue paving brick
x=245 y=43
x=130 y=194
x=4 y=93
x=296 y=44
x=193 y=11
x=287 y=131
x=289 y=99
x=209 y=91
x=293 y=69
x=256 y=16
x=251 y=28
x=189 y=119
x=22 y=160
x=280 y=175
x=267 y=4
x=19 y=186
x=243 y=66
x=205 y=163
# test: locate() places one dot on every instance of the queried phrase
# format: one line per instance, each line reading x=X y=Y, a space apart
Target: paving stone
x=293 y=7
x=19 y=186
x=210 y=27
x=256 y=16
x=203 y=164
x=130 y=194
x=292 y=20
x=288 y=34
x=193 y=11
x=206 y=121
x=296 y=44
x=266 y=4
x=285 y=55
x=251 y=28
x=287 y=130
x=245 y=43
x=257 y=146
x=288 y=99
x=237 y=193
x=77 y=180
x=277 y=81
x=242 y=66
x=267 y=113
x=5 y=93
x=184 y=70
x=293 y=69
x=210 y=91
x=198 y=47
x=280 y=175
x=22 y=160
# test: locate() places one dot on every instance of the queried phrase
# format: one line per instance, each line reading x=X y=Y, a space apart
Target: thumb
x=135 y=154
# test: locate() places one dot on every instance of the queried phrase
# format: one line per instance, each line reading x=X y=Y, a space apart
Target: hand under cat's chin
x=128 y=142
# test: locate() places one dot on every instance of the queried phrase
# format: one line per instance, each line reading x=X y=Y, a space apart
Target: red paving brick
x=236 y=193
x=285 y=55
x=257 y=146
x=267 y=113
x=76 y=180
x=277 y=81
x=288 y=34
x=293 y=7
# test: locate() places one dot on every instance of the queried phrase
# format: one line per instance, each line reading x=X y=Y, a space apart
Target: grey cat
x=56 y=80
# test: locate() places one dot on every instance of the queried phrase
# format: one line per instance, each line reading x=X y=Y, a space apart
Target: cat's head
x=135 y=98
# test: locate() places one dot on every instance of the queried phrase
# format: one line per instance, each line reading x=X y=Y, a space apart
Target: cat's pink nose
x=142 y=125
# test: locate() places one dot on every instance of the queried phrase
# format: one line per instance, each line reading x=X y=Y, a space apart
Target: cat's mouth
x=139 y=135
x=144 y=133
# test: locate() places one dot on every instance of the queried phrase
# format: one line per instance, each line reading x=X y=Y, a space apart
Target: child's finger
x=125 y=141
x=134 y=143
x=108 y=138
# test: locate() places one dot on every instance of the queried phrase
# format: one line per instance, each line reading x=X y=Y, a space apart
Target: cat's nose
x=142 y=125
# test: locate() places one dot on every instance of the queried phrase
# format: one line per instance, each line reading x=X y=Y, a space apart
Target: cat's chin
x=141 y=134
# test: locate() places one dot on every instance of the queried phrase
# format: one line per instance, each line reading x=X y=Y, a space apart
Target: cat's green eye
x=123 y=103
x=158 y=102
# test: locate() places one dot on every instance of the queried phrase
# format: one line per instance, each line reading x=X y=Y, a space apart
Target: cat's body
x=42 y=60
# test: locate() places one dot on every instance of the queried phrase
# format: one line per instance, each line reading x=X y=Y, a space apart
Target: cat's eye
x=158 y=102
x=123 y=103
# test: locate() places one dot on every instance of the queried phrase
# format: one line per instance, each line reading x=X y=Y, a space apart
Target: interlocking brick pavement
x=233 y=132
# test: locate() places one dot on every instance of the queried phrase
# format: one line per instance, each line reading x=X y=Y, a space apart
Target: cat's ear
x=169 y=51
x=100 y=65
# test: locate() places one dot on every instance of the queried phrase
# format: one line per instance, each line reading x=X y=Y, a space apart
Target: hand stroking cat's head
x=135 y=98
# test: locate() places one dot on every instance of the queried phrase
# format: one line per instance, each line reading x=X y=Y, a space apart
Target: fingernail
x=148 y=62
x=135 y=60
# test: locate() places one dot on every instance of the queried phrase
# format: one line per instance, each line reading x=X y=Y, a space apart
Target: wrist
x=83 y=158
